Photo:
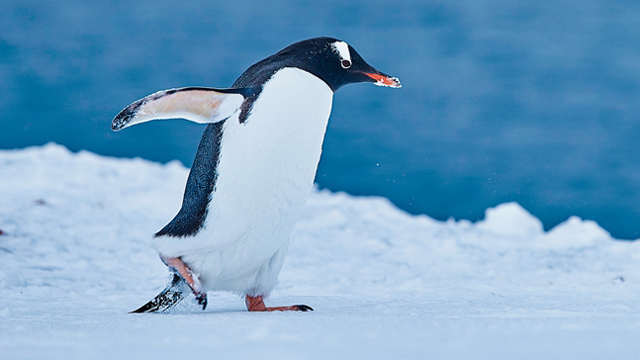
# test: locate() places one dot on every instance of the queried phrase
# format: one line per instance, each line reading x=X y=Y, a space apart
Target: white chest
x=268 y=164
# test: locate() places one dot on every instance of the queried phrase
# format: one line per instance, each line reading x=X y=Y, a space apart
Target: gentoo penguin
x=253 y=171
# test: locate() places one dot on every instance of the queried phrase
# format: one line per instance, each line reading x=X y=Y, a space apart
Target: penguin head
x=334 y=61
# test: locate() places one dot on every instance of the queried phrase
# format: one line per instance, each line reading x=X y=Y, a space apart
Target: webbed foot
x=257 y=304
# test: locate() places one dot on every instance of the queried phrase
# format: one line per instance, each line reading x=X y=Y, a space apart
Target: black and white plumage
x=255 y=164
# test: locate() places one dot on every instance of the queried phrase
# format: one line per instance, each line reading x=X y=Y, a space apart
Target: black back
x=200 y=186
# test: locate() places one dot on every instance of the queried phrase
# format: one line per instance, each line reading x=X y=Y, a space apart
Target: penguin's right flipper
x=168 y=298
x=198 y=104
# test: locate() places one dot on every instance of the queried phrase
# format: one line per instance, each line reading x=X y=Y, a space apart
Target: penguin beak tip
x=385 y=80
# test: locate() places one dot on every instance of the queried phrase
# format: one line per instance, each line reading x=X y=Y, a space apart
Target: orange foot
x=189 y=276
x=256 y=304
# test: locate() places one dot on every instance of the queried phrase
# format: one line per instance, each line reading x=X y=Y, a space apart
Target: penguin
x=253 y=171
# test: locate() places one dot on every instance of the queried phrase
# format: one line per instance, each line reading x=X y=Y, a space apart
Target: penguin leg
x=191 y=278
x=257 y=304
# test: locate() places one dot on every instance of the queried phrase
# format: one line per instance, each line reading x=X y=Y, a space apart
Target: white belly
x=265 y=173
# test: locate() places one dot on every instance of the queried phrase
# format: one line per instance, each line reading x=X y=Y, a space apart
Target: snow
x=75 y=257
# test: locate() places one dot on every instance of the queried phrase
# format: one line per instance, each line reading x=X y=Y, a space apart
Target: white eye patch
x=342 y=50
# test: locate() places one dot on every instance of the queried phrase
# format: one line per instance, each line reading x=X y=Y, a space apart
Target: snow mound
x=75 y=239
x=65 y=218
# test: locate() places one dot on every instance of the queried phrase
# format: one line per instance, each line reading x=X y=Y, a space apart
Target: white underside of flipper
x=265 y=174
x=200 y=105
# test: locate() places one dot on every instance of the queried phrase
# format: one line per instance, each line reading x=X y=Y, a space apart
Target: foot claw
x=304 y=308
x=202 y=300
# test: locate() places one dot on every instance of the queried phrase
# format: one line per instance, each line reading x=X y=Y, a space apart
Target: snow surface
x=75 y=256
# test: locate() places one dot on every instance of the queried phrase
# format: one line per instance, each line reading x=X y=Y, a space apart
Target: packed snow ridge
x=67 y=217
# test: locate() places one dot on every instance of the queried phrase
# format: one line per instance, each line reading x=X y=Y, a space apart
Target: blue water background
x=528 y=101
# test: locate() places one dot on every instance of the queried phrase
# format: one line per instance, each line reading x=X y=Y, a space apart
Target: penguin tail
x=183 y=281
x=168 y=298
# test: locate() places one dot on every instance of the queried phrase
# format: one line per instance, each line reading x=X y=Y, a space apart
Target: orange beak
x=384 y=80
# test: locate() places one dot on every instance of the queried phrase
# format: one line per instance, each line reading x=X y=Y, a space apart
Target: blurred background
x=528 y=101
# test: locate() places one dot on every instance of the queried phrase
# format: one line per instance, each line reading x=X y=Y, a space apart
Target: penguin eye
x=346 y=64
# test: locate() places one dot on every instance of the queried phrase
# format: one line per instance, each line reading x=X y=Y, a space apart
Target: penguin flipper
x=198 y=104
x=168 y=298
